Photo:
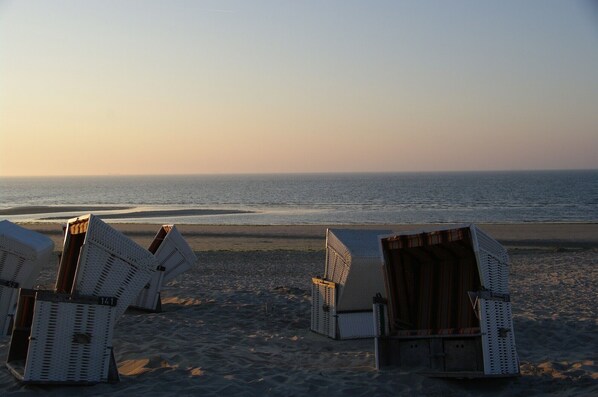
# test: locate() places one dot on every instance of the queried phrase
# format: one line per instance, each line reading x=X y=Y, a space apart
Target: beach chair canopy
x=354 y=263
x=27 y=244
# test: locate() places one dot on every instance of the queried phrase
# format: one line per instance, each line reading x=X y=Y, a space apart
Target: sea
x=327 y=198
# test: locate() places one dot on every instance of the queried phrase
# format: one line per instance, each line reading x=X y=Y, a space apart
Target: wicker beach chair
x=342 y=298
x=22 y=254
x=448 y=311
x=65 y=335
x=174 y=256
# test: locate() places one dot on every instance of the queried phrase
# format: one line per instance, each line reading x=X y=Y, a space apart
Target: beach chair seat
x=22 y=254
x=174 y=257
x=65 y=335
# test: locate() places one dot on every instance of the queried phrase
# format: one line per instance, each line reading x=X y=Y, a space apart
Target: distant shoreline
x=32 y=210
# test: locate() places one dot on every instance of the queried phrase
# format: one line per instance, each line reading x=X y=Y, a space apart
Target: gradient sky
x=184 y=87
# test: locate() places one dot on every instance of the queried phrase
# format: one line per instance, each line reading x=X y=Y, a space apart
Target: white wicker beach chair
x=448 y=311
x=65 y=336
x=174 y=257
x=22 y=254
x=342 y=298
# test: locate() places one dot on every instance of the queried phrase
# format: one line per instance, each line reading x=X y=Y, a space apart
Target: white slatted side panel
x=356 y=325
x=495 y=274
x=498 y=339
x=59 y=350
x=13 y=267
x=491 y=246
x=175 y=255
x=101 y=273
x=148 y=297
x=337 y=269
x=323 y=320
x=8 y=304
x=493 y=261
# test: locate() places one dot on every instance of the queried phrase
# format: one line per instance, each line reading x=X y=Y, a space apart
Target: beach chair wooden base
x=17 y=368
x=437 y=354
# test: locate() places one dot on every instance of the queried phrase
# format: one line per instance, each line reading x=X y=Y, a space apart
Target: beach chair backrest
x=100 y=261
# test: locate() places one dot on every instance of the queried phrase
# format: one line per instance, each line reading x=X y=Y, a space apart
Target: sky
x=204 y=87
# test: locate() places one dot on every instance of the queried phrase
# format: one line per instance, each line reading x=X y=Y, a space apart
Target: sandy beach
x=238 y=323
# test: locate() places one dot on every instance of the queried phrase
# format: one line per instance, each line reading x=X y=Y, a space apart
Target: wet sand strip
x=47 y=209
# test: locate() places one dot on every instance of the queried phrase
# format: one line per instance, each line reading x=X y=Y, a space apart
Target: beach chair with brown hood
x=448 y=308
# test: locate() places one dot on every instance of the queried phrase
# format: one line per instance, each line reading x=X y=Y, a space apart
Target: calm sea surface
x=481 y=197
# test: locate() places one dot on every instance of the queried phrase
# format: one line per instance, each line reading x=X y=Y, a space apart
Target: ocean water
x=479 y=197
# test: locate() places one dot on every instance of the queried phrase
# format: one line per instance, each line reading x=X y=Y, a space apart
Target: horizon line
x=298 y=173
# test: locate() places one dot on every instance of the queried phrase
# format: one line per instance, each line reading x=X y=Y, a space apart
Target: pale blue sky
x=153 y=87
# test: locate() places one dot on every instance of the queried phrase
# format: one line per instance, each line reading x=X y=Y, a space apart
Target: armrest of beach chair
x=323 y=313
x=380 y=316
